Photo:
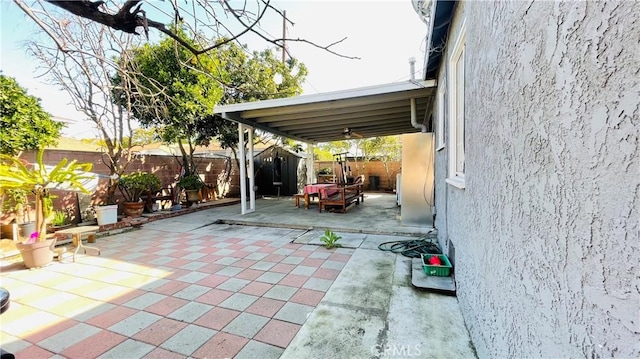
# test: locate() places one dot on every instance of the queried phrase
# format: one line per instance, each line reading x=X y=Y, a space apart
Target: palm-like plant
x=16 y=174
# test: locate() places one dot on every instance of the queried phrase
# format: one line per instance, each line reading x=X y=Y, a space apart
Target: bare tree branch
x=131 y=18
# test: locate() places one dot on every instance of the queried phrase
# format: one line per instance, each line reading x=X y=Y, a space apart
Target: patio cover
x=380 y=110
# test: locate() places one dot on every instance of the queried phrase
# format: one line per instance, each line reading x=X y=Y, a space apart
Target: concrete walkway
x=199 y=285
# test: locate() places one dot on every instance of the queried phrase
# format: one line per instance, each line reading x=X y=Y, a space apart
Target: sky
x=384 y=34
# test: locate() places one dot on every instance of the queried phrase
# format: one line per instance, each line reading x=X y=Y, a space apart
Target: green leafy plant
x=329 y=239
x=134 y=185
x=325 y=171
x=37 y=179
x=191 y=182
x=59 y=218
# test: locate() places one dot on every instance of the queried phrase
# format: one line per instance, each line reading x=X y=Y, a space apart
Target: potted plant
x=36 y=179
x=104 y=214
x=18 y=205
x=133 y=186
x=192 y=184
x=58 y=220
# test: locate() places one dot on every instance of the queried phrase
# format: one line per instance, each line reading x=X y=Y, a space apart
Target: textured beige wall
x=546 y=232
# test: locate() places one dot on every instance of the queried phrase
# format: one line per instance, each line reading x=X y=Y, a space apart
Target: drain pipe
x=414 y=116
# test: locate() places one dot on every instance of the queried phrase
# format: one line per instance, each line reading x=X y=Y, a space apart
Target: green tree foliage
x=254 y=77
x=175 y=94
x=384 y=149
x=176 y=90
x=259 y=76
x=25 y=125
x=325 y=151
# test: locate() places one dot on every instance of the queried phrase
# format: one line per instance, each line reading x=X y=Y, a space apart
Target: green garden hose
x=412 y=248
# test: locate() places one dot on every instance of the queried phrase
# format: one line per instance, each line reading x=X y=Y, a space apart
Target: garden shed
x=275 y=168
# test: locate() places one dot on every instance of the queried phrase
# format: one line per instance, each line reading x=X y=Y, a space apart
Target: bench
x=164 y=194
x=77 y=233
x=346 y=195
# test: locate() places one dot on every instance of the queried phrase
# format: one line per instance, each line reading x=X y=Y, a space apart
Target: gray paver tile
x=318 y=284
x=321 y=255
x=134 y=323
x=304 y=270
x=280 y=292
x=256 y=256
x=161 y=260
x=69 y=337
x=194 y=248
x=238 y=301
x=190 y=312
x=250 y=248
x=262 y=265
x=192 y=292
x=194 y=256
x=329 y=264
x=226 y=260
x=194 y=266
x=86 y=315
x=229 y=271
x=246 y=325
x=144 y=300
x=271 y=277
x=224 y=252
x=292 y=260
x=294 y=313
x=159 y=282
x=188 y=339
x=255 y=349
x=128 y=349
x=192 y=277
x=233 y=284
x=283 y=251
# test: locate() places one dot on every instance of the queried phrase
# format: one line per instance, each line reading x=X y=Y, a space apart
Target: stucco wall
x=546 y=231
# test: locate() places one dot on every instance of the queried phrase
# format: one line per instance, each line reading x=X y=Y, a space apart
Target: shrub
x=191 y=182
x=134 y=185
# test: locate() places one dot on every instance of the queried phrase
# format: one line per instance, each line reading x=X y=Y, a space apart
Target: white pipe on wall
x=414 y=117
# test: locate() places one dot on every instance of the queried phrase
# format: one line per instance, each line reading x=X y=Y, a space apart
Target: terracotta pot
x=193 y=195
x=133 y=209
x=37 y=254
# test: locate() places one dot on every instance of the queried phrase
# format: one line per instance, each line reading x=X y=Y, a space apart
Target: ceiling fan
x=348 y=133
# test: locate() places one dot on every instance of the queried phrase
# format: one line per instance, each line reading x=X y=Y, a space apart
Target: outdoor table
x=77 y=233
x=323 y=190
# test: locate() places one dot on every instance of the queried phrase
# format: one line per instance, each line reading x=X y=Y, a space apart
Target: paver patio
x=199 y=286
x=158 y=294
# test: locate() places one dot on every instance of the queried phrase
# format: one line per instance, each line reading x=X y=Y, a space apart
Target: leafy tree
x=178 y=90
x=325 y=151
x=25 y=125
x=385 y=149
x=175 y=93
x=253 y=77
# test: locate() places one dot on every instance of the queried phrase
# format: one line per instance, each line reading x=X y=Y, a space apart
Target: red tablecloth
x=325 y=190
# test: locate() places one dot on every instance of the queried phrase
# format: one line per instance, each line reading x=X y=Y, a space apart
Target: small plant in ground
x=59 y=218
x=329 y=239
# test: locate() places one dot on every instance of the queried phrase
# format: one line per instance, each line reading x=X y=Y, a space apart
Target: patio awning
x=380 y=110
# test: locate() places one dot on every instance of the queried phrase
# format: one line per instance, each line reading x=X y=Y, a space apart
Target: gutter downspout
x=414 y=116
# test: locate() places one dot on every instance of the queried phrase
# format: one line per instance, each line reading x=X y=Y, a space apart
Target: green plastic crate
x=438 y=271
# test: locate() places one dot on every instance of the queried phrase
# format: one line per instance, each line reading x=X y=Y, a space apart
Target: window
x=441 y=117
x=456 y=112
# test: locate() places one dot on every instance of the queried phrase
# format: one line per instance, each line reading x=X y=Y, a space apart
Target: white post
x=243 y=169
x=311 y=173
x=252 y=179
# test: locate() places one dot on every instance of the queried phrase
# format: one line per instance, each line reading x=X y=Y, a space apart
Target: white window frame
x=456 y=70
x=440 y=138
